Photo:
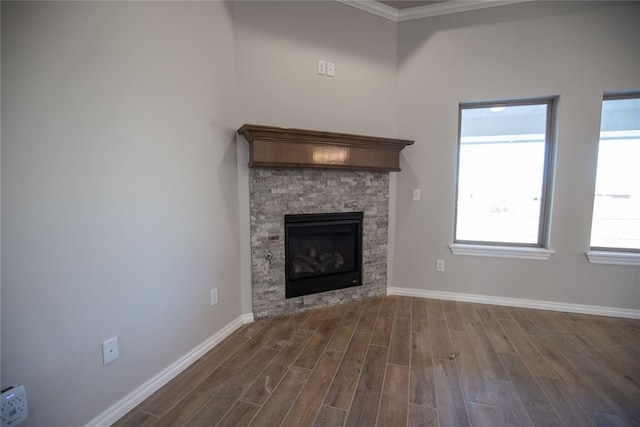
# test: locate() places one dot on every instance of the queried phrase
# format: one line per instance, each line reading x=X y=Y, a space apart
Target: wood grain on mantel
x=300 y=148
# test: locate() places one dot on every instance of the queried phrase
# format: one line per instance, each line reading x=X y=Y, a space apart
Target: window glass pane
x=501 y=174
x=616 y=208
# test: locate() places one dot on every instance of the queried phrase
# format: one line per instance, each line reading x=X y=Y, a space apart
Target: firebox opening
x=323 y=252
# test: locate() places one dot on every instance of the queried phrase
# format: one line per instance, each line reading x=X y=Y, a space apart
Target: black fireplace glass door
x=317 y=250
x=323 y=252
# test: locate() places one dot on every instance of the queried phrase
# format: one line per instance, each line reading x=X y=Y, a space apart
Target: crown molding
x=444 y=8
x=454 y=6
x=374 y=7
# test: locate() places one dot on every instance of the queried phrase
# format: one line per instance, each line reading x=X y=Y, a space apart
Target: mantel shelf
x=277 y=147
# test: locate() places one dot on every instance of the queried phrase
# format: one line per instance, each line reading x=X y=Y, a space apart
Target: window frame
x=604 y=254
x=544 y=219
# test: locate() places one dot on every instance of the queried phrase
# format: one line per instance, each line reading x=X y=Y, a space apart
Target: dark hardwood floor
x=401 y=361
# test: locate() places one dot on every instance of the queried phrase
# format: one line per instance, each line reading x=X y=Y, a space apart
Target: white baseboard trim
x=133 y=399
x=247 y=318
x=518 y=302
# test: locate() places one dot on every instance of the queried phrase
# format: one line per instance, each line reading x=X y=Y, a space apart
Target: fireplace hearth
x=323 y=252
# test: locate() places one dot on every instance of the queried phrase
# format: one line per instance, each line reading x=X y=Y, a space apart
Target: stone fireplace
x=275 y=193
x=281 y=191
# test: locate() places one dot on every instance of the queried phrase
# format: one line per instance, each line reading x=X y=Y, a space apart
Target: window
x=616 y=206
x=504 y=169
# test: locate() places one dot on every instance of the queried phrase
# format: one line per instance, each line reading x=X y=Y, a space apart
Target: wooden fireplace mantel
x=274 y=147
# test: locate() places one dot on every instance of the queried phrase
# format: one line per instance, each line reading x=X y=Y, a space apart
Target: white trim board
x=518 y=302
x=519 y=252
x=443 y=8
x=133 y=399
x=614 y=258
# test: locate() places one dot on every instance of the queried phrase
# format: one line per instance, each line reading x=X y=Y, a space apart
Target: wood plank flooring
x=390 y=362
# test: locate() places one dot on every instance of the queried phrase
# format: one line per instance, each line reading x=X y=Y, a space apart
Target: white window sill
x=614 y=258
x=519 y=252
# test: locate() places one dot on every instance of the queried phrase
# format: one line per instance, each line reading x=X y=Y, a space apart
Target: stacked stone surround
x=278 y=192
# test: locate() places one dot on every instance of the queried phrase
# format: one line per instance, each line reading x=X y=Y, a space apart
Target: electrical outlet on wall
x=331 y=69
x=214 y=296
x=110 y=350
x=14 y=406
x=439 y=265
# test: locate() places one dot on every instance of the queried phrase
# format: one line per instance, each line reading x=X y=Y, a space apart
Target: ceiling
x=404 y=10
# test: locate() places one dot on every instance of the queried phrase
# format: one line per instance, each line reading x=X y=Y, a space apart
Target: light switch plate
x=322 y=67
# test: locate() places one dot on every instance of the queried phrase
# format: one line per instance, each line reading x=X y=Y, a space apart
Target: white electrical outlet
x=110 y=350
x=322 y=67
x=416 y=195
x=439 y=265
x=214 y=296
x=331 y=69
x=14 y=406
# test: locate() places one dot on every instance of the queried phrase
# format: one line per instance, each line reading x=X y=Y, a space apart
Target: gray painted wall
x=121 y=180
x=576 y=50
x=123 y=195
x=278 y=45
x=119 y=195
